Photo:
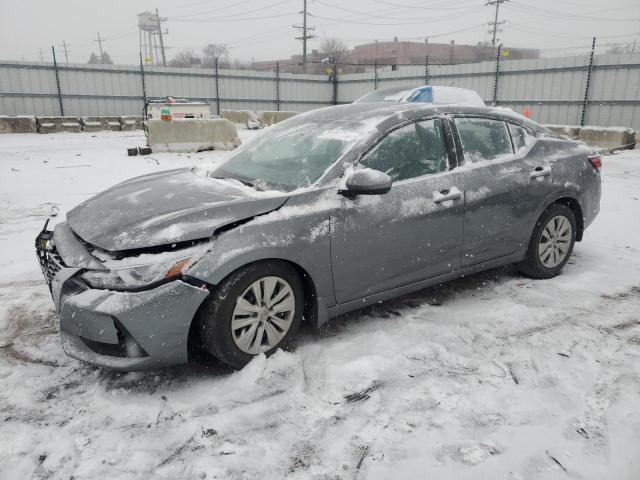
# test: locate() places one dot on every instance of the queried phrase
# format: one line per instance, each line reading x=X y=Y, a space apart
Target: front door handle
x=541 y=172
x=452 y=193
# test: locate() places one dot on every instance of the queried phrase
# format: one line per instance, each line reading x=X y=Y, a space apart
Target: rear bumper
x=590 y=201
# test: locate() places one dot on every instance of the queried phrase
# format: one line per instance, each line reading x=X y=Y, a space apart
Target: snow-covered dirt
x=492 y=376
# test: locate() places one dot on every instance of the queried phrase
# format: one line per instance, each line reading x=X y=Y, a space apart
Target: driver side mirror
x=366 y=181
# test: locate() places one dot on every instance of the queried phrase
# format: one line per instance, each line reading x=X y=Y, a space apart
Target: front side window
x=411 y=151
x=521 y=137
x=484 y=138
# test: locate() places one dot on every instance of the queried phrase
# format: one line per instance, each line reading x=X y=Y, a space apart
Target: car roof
x=387 y=113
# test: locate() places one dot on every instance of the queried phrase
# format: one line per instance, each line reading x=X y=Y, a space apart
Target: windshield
x=286 y=156
x=386 y=95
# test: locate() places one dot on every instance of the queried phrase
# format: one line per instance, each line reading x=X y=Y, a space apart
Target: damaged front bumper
x=119 y=330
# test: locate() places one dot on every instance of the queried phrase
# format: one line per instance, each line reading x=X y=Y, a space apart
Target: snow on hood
x=166 y=207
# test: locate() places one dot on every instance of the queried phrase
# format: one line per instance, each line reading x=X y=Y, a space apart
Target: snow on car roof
x=433 y=94
x=376 y=113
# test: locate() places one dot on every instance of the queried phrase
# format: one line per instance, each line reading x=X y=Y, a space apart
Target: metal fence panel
x=551 y=89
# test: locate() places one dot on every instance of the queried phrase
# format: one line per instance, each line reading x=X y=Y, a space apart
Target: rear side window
x=411 y=151
x=483 y=138
x=521 y=137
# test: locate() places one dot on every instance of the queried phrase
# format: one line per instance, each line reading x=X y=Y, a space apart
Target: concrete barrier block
x=638 y=138
x=18 y=124
x=58 y=124
x=267 y=118
x=571 y=132
x=607 y=138
x=129 y=122
x=238 y=116
x=192 y=135
x=94 y=124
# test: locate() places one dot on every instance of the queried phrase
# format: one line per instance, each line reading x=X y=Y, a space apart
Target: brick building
x=395 y=52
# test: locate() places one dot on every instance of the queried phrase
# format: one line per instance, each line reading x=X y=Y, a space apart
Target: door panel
x=502 y=189
x=407 y=235
x=496 y=202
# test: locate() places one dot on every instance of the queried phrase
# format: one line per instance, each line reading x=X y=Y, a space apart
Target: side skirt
x=414 y=287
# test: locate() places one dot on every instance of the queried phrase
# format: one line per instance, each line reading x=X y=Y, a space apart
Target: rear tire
x=551 y=243
x=256 y=309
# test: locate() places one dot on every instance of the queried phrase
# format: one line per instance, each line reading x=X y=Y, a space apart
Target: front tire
x=551 y=243
x=256 y=309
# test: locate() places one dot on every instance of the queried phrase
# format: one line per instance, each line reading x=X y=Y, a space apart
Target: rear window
x=521 y=137
x=483 y=138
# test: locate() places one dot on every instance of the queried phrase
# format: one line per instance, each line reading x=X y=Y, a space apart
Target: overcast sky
x=262 y=29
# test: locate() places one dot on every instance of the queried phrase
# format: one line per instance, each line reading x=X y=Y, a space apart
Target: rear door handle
x=452 y=193
x=541 y=172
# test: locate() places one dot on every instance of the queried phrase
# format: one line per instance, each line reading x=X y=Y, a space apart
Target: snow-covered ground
x=493 y=376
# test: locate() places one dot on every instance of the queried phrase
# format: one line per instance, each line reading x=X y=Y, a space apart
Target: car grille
x=48 y=257
x=53 y=265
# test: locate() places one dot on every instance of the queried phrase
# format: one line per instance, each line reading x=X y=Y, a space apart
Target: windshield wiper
x=245 y=182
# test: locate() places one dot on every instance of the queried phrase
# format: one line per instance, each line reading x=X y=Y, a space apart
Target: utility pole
x=164 y=59
x=66 y=53
x=495 y=24
x=41 y=55
x=305 y=36
x=100 y=46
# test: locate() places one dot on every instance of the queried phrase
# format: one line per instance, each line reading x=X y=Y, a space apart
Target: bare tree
x=97 y=60
x=621 y=48
x=106 y=59
x=334 y=47
x=184 y=59
x=213 y=51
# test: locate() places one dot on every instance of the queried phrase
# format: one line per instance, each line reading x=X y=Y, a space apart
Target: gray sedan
x=327 y=212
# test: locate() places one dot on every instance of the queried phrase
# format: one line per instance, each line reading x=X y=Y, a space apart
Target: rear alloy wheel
x=555 y=241
x=551 y=243
x=256 y=309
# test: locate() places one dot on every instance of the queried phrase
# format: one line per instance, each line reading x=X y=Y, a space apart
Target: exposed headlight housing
x=142 y=271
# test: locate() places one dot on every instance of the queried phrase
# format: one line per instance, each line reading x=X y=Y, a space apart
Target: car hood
x=166 y=207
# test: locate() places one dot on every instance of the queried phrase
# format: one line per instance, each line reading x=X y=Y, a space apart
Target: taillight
x=596 y=162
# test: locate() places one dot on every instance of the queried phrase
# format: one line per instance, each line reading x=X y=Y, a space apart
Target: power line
x=416 y=21
x=183 y=18
x=429 y=7
x=305 y=35
x=496 y=24
x=549 y=14
x=164 y=58
x=66 y=53
x=224 y=20
x=373 y=15
x=99 y=40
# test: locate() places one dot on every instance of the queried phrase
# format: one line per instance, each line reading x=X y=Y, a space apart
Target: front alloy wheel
x=256 y=309
x=263 y=315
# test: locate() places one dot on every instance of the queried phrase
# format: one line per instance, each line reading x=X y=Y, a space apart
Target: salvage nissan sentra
x=324 y=213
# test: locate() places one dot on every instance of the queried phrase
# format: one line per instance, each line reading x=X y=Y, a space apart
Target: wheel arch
x=315 y=312
x=575 y=207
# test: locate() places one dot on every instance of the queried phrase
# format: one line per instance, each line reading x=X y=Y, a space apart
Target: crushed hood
x=166 y=207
